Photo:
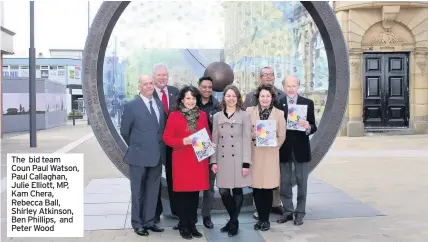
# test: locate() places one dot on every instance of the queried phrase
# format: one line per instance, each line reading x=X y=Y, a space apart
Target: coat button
x=232 y=145
x=231 y=126
x=233 y=155
x=222 y=126
x=222 y=146
x=222 y=156
x=222 y=137
x=231 y=136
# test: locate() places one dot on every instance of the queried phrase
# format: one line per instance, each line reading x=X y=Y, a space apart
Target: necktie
x=152 y=112
x=164 y=101
x=291 y=101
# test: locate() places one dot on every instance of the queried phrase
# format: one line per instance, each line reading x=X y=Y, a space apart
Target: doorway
x=386 y=90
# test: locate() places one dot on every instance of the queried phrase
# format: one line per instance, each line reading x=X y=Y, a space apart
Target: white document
x=296 y=113
x=201 y=144
x=267 y=133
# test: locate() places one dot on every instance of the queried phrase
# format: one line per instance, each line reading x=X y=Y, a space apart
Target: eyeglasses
x=267 y=74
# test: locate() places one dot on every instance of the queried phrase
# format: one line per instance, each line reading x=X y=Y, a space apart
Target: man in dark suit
x=267 y=76
x=210 y=106
x=142 y=128
x=167 y=95
x=295 y=150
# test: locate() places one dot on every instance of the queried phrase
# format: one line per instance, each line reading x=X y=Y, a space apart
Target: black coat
x=298 y=141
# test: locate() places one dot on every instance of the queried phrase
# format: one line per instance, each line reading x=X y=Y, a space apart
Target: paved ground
x=386 y=173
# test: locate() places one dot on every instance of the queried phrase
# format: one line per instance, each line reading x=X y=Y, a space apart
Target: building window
x=44 y=67
x=5 y=68
x=23 y=67
x=53 y=67
x=61 y=67
x=61 y=73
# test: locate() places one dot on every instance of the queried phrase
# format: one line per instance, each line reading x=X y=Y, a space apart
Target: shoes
x=285 y=218
x=185 y=234
x=258 y=225
x=141 y=231
x=233 y=228
x=208 y=223
x=226 y=228
x=298 y=221
x=265 y=226
x=155 y=228
x=194 y=232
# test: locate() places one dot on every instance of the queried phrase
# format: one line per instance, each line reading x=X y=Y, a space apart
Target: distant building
x=6 y=48
x=66 y=71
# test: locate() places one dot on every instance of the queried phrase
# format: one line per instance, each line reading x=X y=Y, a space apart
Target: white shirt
x=154 y=105
x=159 y=92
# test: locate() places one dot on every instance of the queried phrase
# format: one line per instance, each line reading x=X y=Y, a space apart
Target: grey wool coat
x=233 y=139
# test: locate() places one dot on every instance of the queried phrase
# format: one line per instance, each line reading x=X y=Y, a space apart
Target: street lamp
x=32 y=81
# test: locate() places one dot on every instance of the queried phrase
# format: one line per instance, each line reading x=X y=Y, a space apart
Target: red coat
x=187 y=173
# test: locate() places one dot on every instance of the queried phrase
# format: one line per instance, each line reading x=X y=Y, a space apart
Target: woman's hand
x=256 y=134
x=214 y=168
x=245 y=171
x=187 y=141
x=213 y=145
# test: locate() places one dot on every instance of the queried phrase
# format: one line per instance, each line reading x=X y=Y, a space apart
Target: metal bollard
x=74 y=117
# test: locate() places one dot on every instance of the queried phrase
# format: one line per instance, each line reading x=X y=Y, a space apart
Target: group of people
x=156 y=126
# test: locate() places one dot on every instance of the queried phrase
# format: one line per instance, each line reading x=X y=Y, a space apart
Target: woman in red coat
x=189 y=176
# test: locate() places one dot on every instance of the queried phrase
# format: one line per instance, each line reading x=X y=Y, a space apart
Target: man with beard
x=167 y=94
x=267 y=77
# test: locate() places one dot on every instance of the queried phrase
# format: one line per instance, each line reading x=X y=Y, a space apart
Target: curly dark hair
x=239 y=103
x=268 y=88
x=182 y=93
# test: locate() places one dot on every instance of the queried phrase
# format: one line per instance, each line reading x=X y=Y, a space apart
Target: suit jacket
x=298 y=141
x=249 y=97
x=142 y=135
x=173 y=93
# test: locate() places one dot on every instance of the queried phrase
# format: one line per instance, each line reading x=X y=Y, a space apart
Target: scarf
x=191 y=116
x=264 y=115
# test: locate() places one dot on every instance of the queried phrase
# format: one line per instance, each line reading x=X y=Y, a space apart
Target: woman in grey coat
x=232 y=160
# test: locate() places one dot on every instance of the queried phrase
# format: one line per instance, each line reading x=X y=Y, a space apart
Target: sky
x=58 y=24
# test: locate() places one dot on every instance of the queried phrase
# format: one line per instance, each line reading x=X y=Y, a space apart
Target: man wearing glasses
x=267 y=77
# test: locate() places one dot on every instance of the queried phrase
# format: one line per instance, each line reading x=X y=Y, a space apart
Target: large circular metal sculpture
x=113 y=145
x=221 y=73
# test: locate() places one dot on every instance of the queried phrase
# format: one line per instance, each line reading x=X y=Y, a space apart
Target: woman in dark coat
x=190 y=176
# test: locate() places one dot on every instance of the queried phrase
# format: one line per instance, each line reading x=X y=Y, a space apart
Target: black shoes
x=208 y=223
x=195 y=233
x=298 y=221
x=185 y=234
x=285 y=218
x=262 y=226
x=155 y=229
x=141 y=231
x=231 y=227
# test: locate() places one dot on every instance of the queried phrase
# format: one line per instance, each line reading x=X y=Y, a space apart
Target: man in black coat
x=295 y=150
x=210 y=106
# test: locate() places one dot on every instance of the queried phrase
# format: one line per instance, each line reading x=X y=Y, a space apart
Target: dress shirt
x=154 y=105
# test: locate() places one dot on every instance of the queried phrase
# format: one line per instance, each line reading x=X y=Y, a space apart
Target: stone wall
x=386 y=27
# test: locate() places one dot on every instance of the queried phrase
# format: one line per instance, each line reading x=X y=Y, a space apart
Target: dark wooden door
x=386 y=91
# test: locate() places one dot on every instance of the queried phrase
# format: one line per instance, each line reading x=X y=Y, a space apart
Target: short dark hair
x=239 y=103
x=204 y=78
x=268 y=88
x=182 y=93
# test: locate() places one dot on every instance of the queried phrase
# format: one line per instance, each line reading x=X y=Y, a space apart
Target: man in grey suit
x=267 y=76
x=142 y=127
x=167 y=95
